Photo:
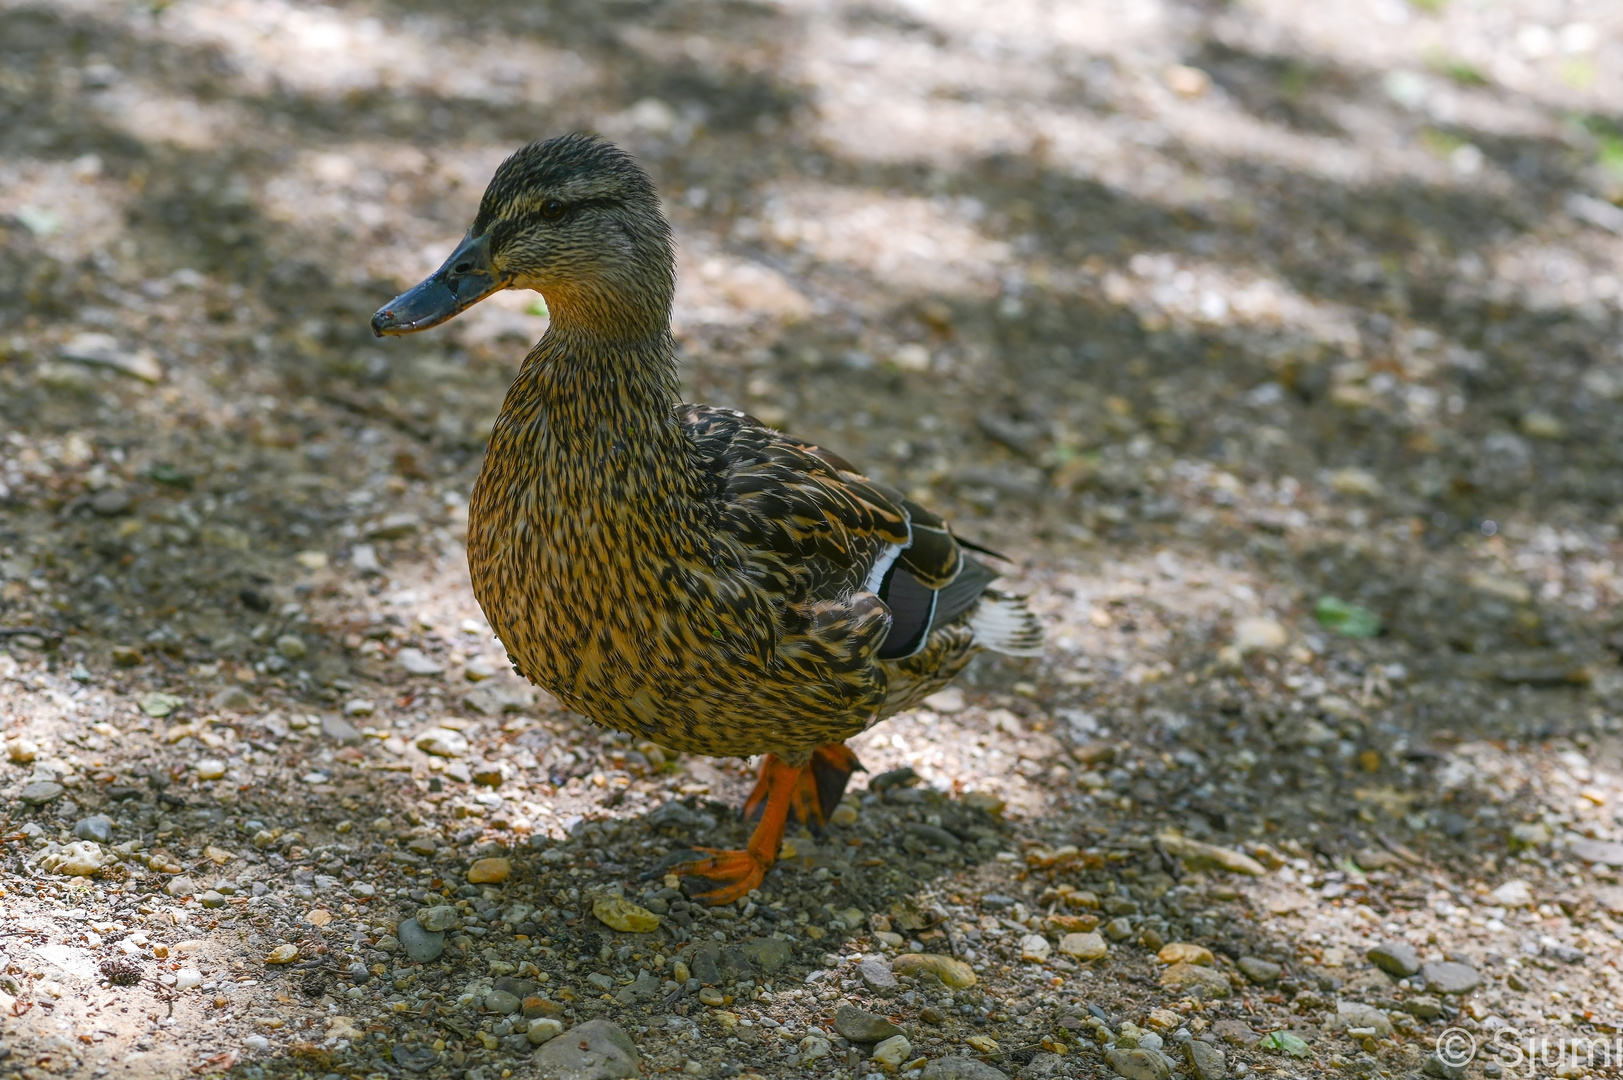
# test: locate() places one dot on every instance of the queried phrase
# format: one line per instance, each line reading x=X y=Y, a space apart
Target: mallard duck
x=685 y=572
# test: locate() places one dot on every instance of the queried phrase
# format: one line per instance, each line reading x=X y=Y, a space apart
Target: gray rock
x=233 y=698
x=211 y=899
x=1118 y=929
x=1206 y=1060
x=863 y=1027
x=768 y=954
x=1396 y=958
x=421 y=944
x=645 y=988
x=96 y=827
x=877 y=977
x=439 y=917
x=414 y=1058
x=111 y=502
x=1258 y=971
x=500 y=1001
x=601 y=981
x=961 y=1068
x=1423 y=1007
x=1605 y=852
x=519 y=988
x=1436 y=1066
x=417 y=662
x=41 y=792
x=1235 y=1033
x=1449 y=977
x=934 y=836
x=338 y=729
x=595 y=1050
x=1350 y=1014
x=1140 y=1064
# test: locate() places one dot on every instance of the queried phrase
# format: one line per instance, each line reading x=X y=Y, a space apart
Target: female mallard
x=678 y=571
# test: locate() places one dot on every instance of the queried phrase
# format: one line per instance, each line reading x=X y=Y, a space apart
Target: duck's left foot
x=815 y=789
x=735 y=872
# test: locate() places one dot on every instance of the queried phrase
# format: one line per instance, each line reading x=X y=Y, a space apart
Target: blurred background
x=1276 y=343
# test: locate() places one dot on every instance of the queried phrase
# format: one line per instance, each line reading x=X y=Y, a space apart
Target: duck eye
x=552 y=210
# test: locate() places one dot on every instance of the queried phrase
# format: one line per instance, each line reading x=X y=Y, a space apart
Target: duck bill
x=463 y=280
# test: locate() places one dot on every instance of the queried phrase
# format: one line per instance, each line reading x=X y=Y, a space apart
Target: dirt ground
x=1277 y=344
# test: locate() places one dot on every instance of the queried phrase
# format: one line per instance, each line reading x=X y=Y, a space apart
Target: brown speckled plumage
x=680 y=571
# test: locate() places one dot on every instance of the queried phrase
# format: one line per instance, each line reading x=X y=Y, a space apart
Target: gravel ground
x=1277 y=344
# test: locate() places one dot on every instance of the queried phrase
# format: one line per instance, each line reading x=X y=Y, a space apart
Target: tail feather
x=1004 y=624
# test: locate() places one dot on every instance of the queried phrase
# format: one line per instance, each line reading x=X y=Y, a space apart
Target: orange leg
x=782 y=790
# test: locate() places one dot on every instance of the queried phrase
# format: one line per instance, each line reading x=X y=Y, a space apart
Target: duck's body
x=680 y=571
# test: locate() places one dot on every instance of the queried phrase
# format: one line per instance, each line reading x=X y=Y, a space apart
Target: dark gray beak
x=461 y=282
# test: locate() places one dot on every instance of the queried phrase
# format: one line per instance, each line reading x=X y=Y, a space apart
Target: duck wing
x=820 y=535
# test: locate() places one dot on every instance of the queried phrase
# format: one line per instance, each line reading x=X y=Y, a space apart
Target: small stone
x=595 y=1050
x=1604 y=852
x=256 y=1042
x=442 y=742
x=1396 y=958
x=22 y=751
x=1207 y=1061
x=863 y=1027
x=623 y=915
x=292 y=647
x=1119 y=929
x=422 y=845
x=1235 y=1033
x=709 y=995
x=232 y=699
x=1350 y=1014
x=961 y=1068
x=812 y=1047
x=1140 y=1064
x=359 y=707
x=81 y=859
x=1185 y=952
x=364 y=889
x=1258 y=971
x=601 y=981
x=393 y=526
x=1198 y=854
x=1195 y=981
x=892 y=1051
x=877 y=977
x=500 y=1001
x=187 y=978
x=417 y=662
x=478 y=670
x=210 y=769
x=953 y=973
x=421 y=944
x=126 y=656
x=486 y=773
x=111 y=502
x=544 y=1030
x=96 y=827
x=490 y=871
x=439 y=918
x=340 y=730
x=1426 y=1007
x=1449 y=977
x=1529 y=834
x=211 y=899
x=282 y=954
x=1164 y=1020
x=1034 y=948
x=844 y=816
x=1515 y=893
x=1448 y=1070
x=41 y=792
x=768 y=954
x=1259 y=635
x=643 y=988
x=414 y=1058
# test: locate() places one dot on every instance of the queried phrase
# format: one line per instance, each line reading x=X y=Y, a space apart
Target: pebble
x=256 y=1042
x=1207 y=1061
x=1450 y=977
x=953 y=973
x=210 y=769
x=601 y=981
x=1184 y=952
x=111 y=502
x=1089 y=946
x=1140 y=1064
x=212 y=899
x=1235 y=1033
x=81 y=859
x=1119 y=929
x=359 y=707
x=1350 y=1014
x=1396 y=958
x=500 y=1001
x=292 y=647
x=421 y=944
x=41 y=792
x=595 y=1050
x=442 y=742
x=126 y=656
x=1444 y=1070
x=22 y=751
x=1258 y=971
x=479 y=670
x=438 y=918
x=961 y=1068
x=1259 y=634
x=768 y=954
x=1423 y=1007
x=1034 y=948
x=97 y=827
x=187 y=978
x=1198 y=854
x=544 y=1029
x=621 y=914
x=283 y=954
x=490 y=871
x=340 y=730
x=233 y=699
x=1195 y=981
x=892 y=1051
x=1515 y=893
x=812 y=1047
x=861 y=1026
x=414 y=1058
x=709 y=995
x=183 y=885
x=417 y=662
x=877 y=977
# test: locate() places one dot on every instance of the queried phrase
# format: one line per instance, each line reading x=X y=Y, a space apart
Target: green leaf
x=1285 y=1043
x=1348 y=620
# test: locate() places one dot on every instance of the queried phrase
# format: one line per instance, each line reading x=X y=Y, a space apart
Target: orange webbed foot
x=736 y=873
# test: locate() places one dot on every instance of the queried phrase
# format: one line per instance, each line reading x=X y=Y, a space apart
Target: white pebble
x=256 y=1042
x=186 y=978
x=210 y=769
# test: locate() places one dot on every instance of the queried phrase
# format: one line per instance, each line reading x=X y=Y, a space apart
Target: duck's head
x=575 y=219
